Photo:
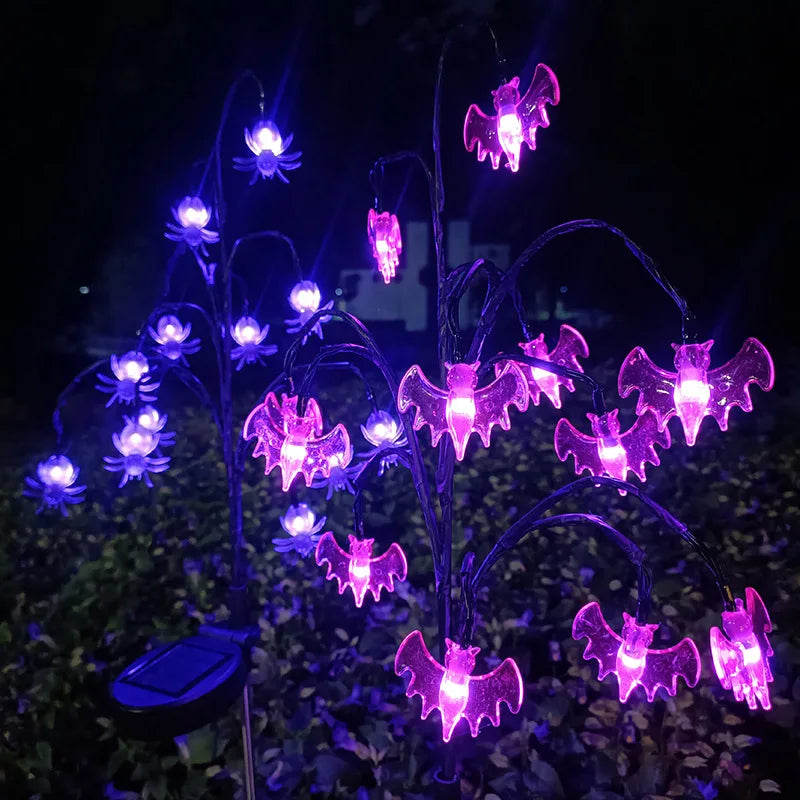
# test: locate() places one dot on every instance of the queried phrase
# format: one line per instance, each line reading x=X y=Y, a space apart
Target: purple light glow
x=192 y=216
x=383 y=231
x=300 y=519
x=135 y=444
x=54 y=487
x=453 y=689
x=463 y=409
x=269 y=153
x=57 y=472
x=305 y=299
x=381 y=428
x=171 y=335
x=740 y=651
x=516 y=120
x=629 y=656
x=693 y=392
x=248 y=335
x=131 y=381
x=358 y=569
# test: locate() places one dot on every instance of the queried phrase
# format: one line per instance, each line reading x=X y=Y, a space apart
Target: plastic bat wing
x=493 y=400
x=569 y=441
x=639 y=443
x=338 y=560
x=730 y=382
x=426 y=672
x=487 y=692
x=481 y=130
x=762 y=625
x=570 y=345
x=385 y=568
x=656 y=386
x=430 y=401
x=531 y=109
x=658 y=668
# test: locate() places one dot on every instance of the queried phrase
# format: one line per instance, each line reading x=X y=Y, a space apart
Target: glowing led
x=54 y=487
x=192 y=215
x=269 y=157
x=383 y=232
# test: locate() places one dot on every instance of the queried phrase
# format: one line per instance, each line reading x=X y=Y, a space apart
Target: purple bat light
x=695 y=392
x=295 y=443
x=608 y=451
x=453 y=689
x=384 y=236
x=629 y=656
x=571 y=344
x=463 y=409
x=740 y=653
x=516 y=120
x=358 y=569
x=269 y=153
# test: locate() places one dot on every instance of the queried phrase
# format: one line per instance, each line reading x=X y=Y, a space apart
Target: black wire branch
x=512 y=274
x=330 y=351
x=66 y=392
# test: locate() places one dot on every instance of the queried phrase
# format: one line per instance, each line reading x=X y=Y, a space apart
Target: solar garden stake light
x=473 y=393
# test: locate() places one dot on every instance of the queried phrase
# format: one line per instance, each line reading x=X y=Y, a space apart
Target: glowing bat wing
x=430 y=401
x=481 y=129
x=338 y=560
x=319 y=452
x=493 y=400
x=639 y=443
x=726 y=655
x=730 y=382
x=531 y=108
x=570 y=345
x=426 y=671
x=486 y=692
x=603 y=643
x=762 y=625
x=259 y=425
x=385 y=568
x=570 y=441
x=663 y=667
x=656 y=386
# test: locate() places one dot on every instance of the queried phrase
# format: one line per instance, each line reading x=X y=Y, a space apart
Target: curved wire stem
x=64 y=395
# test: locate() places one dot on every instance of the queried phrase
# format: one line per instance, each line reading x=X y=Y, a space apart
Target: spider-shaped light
x=383 y=432
x=269 y=153
x=55 y=485
x=171 y=335
x=301 y=524
x=248 y=336
x=342 y=474
x=305 y=298
x=132 y=381
x=136 y=443
x=192 y=216
x=151 y=419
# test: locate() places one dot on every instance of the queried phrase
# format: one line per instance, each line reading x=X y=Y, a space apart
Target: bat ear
x=351 y=540
x=448 y=365
x=707 y=345
x=474 y=365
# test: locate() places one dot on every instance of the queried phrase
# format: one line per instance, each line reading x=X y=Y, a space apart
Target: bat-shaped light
x=453 y=689
x=463 y=409
x=516 y=120
x=571 y=344
x=358 y=569
x=384 y=236
x=740 y=650
x=695 y=392
x=608 y=451
x=629 y=656
x=295 y=443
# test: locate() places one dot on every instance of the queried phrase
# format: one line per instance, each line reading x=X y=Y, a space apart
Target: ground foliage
x=81 y=598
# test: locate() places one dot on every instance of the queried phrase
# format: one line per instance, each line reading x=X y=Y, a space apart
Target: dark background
x=676 y=123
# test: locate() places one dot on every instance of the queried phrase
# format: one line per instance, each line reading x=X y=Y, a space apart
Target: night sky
x=676 y=124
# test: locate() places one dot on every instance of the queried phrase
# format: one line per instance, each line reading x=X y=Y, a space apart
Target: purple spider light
x=342 y=474
x=55 y=485
x=384 y=236
x=383 y=432
x=132 y=381
x=305 y=299
x=192 y=216
x=629 y=656
x=741 y=649
x=151 y=419
x=136 y=443
x=269 y=153
x=303 y=528
x=248 y=336
x=170 y=335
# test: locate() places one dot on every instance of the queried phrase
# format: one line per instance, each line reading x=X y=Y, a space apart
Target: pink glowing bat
x=694 y=391
x=295 y=443
x=453 y=689
x=516 y=120
x=358 y=569
x=609 y=452
x=629 y=656
x=461 y=409
x=565 y=354
x=384 y=236
x=740 y=653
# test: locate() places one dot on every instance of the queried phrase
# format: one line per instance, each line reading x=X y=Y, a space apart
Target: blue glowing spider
x=55 y=485
x=151 y=419
x=170 y=336
x=384 y=433
x=248 y=336
x=192 y=216
x=132 y=382
x=341 y=477
x=303 y=528
x=136 y=443
x=269 y=153
x=305 y=298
